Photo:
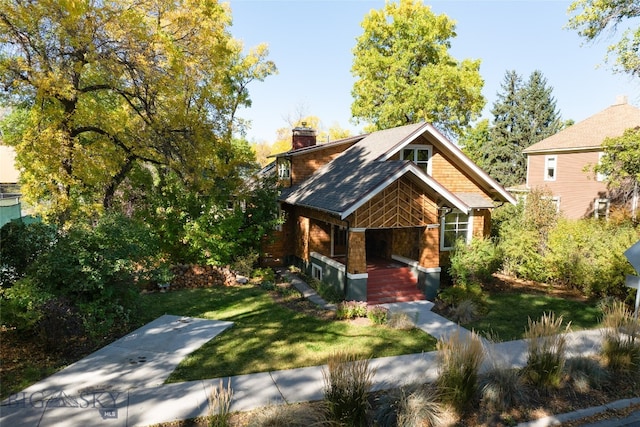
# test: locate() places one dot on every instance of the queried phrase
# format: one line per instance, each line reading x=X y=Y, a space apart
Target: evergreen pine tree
x=523 y=114
x=540 y=108
x=505 y=161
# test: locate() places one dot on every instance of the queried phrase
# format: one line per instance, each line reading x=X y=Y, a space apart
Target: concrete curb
x=554 y=420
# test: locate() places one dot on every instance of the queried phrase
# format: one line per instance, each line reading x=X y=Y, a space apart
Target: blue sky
x=311 y=43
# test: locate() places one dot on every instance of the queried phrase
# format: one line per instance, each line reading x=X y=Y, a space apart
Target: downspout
x=346 y=262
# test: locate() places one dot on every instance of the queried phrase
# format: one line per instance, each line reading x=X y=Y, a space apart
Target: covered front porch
x=376 y=268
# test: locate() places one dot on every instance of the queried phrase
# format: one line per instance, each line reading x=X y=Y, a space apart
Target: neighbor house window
x=550 y=168
x=420 y=155
x=601 y=208
x=316 y=271
x=455 y=226
x=555 y=202
x=600 y=176
x=284 y=168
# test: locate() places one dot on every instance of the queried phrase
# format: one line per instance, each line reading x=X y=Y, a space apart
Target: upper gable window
x=550 y=168
x=284 y=168
x=420 y=155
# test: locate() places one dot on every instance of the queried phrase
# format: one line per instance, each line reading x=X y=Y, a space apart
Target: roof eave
x=426 y=179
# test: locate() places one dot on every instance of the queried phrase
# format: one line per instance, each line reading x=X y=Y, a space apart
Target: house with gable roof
x=563 y=163
x=376 y=215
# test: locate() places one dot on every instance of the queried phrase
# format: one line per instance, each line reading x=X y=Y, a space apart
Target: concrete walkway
x=122 y=384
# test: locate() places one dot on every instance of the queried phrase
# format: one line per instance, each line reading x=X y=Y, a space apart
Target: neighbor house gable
x=563 y=163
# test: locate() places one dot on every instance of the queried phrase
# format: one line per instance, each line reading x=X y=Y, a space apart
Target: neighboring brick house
x=391 y=202
x=563 y=163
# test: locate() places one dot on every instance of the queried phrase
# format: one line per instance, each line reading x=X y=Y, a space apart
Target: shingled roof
x=364 y=169
x=591 y=132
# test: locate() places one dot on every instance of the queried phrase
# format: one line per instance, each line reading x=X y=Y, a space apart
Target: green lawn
x=268 y=336
x=508 y=314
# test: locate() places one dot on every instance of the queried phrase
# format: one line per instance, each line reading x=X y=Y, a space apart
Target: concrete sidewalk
x=115 y=387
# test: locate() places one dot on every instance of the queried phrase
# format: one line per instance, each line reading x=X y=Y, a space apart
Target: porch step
x=385 y=285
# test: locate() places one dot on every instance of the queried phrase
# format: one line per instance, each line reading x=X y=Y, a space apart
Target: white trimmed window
x=550 y=168
x=420 y=155
x=600 y=176
x=455 y=225
x=316 y=272
x=284 y=168
x=601 y=208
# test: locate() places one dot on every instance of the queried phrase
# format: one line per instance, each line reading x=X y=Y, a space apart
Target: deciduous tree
x=405 y=73
x=107 y=86
x=621 y=166
x=593 y=18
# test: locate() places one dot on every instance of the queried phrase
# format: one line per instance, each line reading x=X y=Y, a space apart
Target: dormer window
x=284 y=168
x=420 y=155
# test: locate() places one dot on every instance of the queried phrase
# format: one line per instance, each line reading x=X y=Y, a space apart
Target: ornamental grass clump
x=459 y=360
x=621 y=340
x=409 y=407
x=401 y=320
x=546 y=351
x=220 y=405
x=347 y=382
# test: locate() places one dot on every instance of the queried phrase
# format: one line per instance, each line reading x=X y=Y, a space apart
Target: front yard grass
x=508 y=313
x=269 y=336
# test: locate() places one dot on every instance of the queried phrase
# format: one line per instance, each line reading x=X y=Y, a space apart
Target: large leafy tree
x=593 y=18
x=105 y=87
x=523 y=114
x=621 y=166
x=404 y=72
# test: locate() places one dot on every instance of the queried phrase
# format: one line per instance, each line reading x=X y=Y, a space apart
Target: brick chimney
x=303 y=136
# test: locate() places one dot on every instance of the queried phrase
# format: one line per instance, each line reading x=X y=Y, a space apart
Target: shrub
x=465 y=312
x=459 y=361
x=621 y=341
x=244 y=264
x=455 y=294
x=264 y=274
x=60 y=322
x=589 y=255
x=219 y=405
x=20 y=304
x=97 y=269
x=521 y=256
x=378 y=315
x=524 y=237
x=474 y=262
x=401 y=320
x=546 y=351
x=351 y=309
x=347 y=382
x=409 y=408
x=21 y=245
x=327 y=291
x=501 y=388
